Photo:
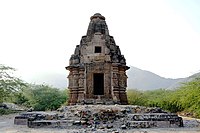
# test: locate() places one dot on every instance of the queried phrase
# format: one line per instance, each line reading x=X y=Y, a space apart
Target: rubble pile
x=26 y=117
x=106 y=117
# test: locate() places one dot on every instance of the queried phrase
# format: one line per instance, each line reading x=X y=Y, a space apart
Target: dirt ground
x=7 y=126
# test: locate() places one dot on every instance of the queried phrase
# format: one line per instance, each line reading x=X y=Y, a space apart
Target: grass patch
x=7 y=111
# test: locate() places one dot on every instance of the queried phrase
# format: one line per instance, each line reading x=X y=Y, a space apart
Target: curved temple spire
x=97 y=24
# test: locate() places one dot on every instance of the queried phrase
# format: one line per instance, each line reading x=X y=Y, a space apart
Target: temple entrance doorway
x=98 y=84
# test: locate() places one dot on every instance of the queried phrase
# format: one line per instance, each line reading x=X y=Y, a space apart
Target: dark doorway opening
x=97 y=49
x=98 y=84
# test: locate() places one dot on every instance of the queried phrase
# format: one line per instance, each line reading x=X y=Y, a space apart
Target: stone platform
x=107 y=117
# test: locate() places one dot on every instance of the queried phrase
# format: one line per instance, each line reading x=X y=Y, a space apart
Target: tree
x=44 y=97
x=188 y=97
x=9 y=84
x=136 y=97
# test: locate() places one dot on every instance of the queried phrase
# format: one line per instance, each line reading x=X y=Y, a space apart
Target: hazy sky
x=37 y=37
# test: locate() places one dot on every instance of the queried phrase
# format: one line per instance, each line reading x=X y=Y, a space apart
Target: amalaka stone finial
x=97 y=15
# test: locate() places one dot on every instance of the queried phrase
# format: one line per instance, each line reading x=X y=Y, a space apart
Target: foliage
x=9 y=84
x=136 y=97
x=40 y=97
x=184 y=99
x=188 y=97
x=161 y=98
x=43 y=97
x=20 y=99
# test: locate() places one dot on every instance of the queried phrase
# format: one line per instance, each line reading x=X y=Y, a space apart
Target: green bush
x=184 y=99
x=44 y=97
x=136 y=97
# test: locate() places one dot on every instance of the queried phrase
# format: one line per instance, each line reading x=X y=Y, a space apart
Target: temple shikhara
x=97 y=69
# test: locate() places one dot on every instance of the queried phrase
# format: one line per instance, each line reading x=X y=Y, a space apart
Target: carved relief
x=115 y=83
x=81 y=82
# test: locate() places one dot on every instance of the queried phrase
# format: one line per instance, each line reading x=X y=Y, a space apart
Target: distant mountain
x=187 y=79
x=137 y=79
x=146 y=80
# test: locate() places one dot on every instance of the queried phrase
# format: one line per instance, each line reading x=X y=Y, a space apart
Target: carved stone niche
x=97 y=68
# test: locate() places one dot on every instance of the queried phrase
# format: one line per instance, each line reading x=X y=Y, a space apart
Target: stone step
x=153 y=117
x=97 y=101
x=152 y=124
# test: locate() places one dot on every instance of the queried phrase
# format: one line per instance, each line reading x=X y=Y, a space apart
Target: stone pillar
x=123 y=85
x=74 y=89
x=107 y=81
x=88 y=81
x=115 y=83
x=81 y=85
x=70 y=85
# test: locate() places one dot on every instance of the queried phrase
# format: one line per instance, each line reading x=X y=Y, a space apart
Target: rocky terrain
x=7 y=126
x=81 y=119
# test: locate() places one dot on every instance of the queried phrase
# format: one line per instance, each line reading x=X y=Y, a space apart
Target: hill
x=146 y=80
x=187 y=79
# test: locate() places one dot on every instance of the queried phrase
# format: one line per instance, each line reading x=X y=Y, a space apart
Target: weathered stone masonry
x=97 y=68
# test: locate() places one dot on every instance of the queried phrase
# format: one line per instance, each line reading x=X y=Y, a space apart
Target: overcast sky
x=162 y=36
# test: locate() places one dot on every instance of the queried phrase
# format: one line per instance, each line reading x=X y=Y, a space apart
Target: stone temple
x=97 y=68
x=98 y=76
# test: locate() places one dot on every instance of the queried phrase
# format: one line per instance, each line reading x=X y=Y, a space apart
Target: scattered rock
x=77 y=123
x=3 y=106
x=123 y=127
x=109 y=126
x=115 y=131
x=11 y=106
